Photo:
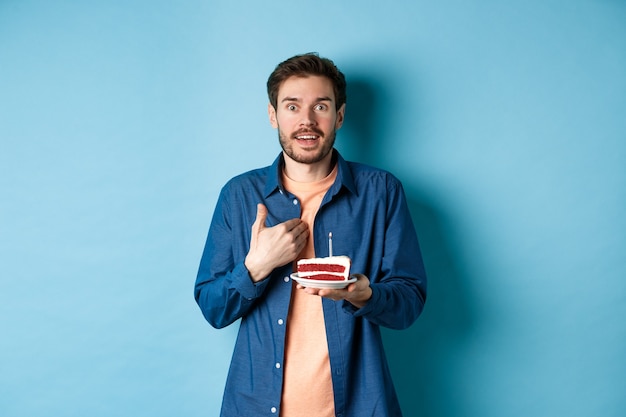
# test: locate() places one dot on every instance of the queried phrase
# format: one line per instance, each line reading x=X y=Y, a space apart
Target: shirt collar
x=344 y=176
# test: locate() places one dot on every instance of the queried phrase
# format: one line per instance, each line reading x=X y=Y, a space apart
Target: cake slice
x=332 y=268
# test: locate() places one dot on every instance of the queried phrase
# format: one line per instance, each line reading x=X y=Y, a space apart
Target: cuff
x=242 y=282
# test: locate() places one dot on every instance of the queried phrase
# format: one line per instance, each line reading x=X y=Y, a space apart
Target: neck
x=300 y=172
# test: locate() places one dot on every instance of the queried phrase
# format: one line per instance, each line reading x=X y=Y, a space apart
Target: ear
x=271 y=112
x=340 y=114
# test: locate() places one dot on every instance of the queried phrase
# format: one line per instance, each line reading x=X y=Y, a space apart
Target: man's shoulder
x=366 y=173
x=256 y=176
x=249 y=185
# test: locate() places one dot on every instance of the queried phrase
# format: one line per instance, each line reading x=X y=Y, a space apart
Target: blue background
x=506 y=121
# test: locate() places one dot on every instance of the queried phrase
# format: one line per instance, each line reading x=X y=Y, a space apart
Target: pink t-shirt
x=307 y=386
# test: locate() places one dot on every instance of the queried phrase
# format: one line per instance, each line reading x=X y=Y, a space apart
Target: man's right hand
x=271 y=247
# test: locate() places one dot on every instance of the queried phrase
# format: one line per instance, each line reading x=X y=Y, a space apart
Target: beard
x=327 y=143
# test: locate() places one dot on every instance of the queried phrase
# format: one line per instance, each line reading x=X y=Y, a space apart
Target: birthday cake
x=332 y=268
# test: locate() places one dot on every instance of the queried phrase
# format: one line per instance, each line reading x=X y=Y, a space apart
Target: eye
x=291 y=107
x=321 y=107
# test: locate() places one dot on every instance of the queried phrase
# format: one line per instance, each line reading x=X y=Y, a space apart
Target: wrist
x=256 y=271
x=362 y=300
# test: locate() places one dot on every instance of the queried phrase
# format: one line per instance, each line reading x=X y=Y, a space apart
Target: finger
x=293 y=225
x=300 y=230
x=261 y=217
x=311 y=291
x=332 y=294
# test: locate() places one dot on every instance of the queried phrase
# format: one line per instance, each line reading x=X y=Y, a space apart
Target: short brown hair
x=305 y=65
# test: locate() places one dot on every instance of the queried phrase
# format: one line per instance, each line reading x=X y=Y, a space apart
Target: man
x=306 y=351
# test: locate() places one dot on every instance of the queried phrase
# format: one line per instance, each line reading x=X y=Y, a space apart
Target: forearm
x=395 y=303
x=226 y=297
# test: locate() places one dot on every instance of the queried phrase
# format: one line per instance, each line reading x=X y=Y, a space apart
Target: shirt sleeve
x=399 y=290
x=224 y=289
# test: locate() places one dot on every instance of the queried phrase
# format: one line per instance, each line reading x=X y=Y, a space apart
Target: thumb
x=261 y=216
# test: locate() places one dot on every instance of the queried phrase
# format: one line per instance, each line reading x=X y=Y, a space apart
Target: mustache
x=311 y=130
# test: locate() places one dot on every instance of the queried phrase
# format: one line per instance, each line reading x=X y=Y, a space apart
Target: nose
x=308 y=118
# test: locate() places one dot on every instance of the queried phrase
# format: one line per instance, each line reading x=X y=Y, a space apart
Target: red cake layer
x=326 y=277
x=322 y=268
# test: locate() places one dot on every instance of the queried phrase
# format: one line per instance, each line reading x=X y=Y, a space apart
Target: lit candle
x=330 y=244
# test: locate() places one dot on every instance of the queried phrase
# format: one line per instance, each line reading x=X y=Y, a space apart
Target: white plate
x=316 y=283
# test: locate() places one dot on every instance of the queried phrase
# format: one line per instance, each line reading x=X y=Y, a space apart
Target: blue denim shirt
x=367 y=212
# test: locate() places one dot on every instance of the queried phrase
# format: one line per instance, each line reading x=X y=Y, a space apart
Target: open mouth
x=308 y=137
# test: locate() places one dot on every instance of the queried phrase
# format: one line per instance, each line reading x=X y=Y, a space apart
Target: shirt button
x=286 y=279
x=280 y=321
x=277 y=365
x=295 y=201
x=273 y=410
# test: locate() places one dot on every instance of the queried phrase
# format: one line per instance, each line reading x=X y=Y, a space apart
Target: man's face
x=306 y=118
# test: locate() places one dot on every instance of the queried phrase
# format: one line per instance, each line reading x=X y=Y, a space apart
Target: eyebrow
x=289 y=99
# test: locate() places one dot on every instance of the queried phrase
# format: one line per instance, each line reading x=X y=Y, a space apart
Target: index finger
x=335 y=294
x=292 y=224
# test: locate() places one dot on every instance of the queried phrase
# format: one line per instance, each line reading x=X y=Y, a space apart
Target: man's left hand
x=357 y=293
